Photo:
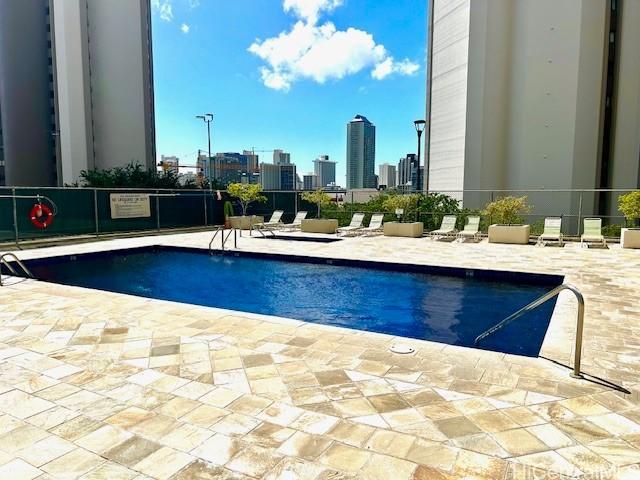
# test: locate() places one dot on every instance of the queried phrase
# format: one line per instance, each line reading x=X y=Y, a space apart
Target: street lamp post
x=207 y=118
x=420 y=125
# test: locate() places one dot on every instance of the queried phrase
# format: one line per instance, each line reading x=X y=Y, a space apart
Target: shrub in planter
x=320 y=198
x=629 y=205
x=246 y=193
x=507 y=210
x=407 y=203
x=228 y=213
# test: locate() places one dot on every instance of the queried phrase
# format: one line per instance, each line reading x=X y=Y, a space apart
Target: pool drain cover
x=401 y=348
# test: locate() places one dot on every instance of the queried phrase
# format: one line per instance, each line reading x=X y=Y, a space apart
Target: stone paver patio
x=98 y=385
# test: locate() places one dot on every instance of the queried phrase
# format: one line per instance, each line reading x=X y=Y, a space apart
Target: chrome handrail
x=224 y=239
x=536 y=303
x=3 y=261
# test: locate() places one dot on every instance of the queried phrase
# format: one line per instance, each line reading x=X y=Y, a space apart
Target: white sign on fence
x=130 y=205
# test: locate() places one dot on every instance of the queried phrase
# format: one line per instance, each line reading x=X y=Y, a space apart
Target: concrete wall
x=626 y=142
x=25 y=94
x=448 y=94
x=120 y=82
x=73 y=93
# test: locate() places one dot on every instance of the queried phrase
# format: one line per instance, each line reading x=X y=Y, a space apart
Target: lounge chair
x=297 y=221
x=552 y=231
x=592 y=233
x=274 y=223
x=447 y=227
x=375 y=225
x=471 y=229
x=354 y=226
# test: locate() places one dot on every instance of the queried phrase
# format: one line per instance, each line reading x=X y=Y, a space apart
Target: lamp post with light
x=420 y=126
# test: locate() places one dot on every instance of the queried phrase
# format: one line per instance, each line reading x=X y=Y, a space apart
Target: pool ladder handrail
x=220 y=229
x=3 y=261
x=536 y=303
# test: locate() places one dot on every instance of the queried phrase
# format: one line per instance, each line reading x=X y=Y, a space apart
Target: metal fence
x=86 y=211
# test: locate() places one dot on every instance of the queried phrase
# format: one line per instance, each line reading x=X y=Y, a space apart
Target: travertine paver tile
x=390 y=443
x=73 y=464
x=200 y=470
x=131 y=451
x=304 y=445
x=110 y=470
x=186 y=437
x=103 y=439
x=218 y=449
x=18 y=469
x=383 y=467
x=254 y=461
x=343 y=457
x=432 y=454
x=163 y=463
x=45 y=450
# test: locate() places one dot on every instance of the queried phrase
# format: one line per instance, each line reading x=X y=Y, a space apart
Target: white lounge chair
x=552 y=231
x=297 y=221
x=375 y=225
x=274 y=223
x=447 y=227
x=354 y=226
x=471 y=229
x=592 y=233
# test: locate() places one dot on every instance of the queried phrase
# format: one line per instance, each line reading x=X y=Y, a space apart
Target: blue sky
x=288 y=74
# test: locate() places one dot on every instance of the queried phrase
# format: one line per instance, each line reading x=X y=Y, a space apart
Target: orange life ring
x=41 y=216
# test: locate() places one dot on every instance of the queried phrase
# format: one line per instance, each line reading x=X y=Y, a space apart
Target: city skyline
x=199 y=69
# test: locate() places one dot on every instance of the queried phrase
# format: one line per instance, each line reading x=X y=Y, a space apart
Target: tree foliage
x=132 y=175
x=246 y=193
x=320 y=198
x=507 y=210
x=629 y=205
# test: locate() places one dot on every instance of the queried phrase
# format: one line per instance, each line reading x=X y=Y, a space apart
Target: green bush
x=507 y=210
x=320 y=198
x=612 y=231
x=629 y=205
x=246 y=193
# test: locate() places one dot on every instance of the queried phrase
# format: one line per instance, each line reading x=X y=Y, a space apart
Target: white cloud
x=322 y=52
x=164 y=9
x=309 y=10
x=185 y=28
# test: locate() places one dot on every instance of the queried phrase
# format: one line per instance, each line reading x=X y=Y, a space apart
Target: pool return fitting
x=536 y=303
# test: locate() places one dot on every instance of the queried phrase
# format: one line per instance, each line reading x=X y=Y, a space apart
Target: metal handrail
x=224 y=239
x=536 y=303
x=3 y=261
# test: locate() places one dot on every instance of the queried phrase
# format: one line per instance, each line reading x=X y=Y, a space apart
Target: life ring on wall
x=41 y=216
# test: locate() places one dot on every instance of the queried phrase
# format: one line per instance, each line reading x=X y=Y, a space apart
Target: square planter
x=319 y=225
x=246 y=221
x=630 y=238
x=397 y=229
x=517 y=234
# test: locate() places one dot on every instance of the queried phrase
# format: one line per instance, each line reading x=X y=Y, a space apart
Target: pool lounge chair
x=592 y=233
x=471 y=229
x=297 y=222
x=274 y=223
x=375 y=225
x=447 y=227
x=354 y=226
x=552 y=232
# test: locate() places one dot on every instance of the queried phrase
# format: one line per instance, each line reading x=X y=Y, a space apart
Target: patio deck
x=102 y=385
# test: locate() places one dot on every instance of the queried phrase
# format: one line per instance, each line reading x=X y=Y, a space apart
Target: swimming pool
x=446 y=305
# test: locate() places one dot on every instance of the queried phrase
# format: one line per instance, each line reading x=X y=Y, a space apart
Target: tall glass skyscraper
x=361 y=153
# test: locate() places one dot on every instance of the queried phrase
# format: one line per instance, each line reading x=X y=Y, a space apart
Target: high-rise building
x=229 y=167
x=361 y=153
x=252 y=161
x=270 y=176
x=278 y=177
x=535 y=94
x=408 y=174
x=310 y=181
x=387 y=175
x=170 y=164
x=281 y=157
x=288 y=177
x=76 y=88
x=325 y=170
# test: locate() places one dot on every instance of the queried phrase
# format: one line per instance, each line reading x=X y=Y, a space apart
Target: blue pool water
x=444 y=305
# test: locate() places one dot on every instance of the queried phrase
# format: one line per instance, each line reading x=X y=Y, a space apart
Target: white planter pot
x=319 y=225
x=397 y=229
x=630 y=238
x=245 y=222
x=517 y=234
